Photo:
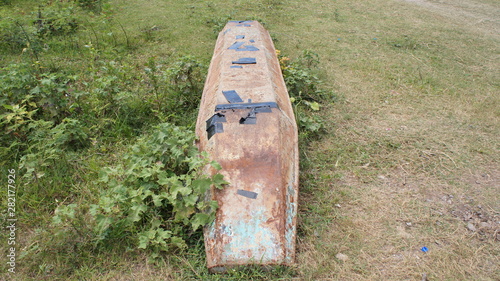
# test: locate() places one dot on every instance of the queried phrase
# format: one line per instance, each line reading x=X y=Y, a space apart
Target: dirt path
x=484 y=16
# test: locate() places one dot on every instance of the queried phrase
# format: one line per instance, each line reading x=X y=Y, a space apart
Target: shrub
x=57 y=19
x=91 y=5
x=12 y=35
x=156 y=197
x=304 y=88
x=175 y=88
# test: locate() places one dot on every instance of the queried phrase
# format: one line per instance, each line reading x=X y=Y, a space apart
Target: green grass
x=408 y=160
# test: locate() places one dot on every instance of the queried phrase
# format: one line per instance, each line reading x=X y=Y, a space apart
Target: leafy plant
x=217 y=24
x=56 y=19
x=300 y=76
x=91 y=5
x=48 y=144
x=12 y=35
x=157 y=197
x=175 y=87
x=186 y=77
x=304 y=88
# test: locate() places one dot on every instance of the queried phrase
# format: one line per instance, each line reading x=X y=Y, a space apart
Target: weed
x=186 y=81
x=305 y=92
x=54 y=20
x=12 y=36
x=95 y=6
x=176 y=87
x=156 y=197
x=405 y=43
x=217 y=24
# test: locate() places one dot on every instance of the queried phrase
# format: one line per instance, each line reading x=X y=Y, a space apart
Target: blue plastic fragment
x=251 y=118
x=216 y=118
x=236 y=45
x=216 y=128
x=214 y=124
x=241 y=21
x=245 y=61
x=257 y=106
x=240 y=36
x=252 y=41
x=232 y=96
x=246 y=193
x=424 y=249
x=248 y=48
x=263 y=110
x=227 y=30
x=236 y=66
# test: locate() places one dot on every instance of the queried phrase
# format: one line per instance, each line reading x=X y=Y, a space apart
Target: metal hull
x=246 y=124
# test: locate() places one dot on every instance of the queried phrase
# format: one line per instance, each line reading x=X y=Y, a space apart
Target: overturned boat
x=246 y=124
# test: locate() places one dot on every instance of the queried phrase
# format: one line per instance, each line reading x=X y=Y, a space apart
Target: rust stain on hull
x=246 y=123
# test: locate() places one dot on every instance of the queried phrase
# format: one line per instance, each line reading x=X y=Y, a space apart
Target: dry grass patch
x=416 y=128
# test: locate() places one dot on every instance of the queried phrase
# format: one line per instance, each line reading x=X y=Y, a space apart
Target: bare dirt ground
x=481 y=15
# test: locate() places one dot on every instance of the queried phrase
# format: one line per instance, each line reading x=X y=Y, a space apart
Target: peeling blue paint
x=291 y=213
x=245 y=235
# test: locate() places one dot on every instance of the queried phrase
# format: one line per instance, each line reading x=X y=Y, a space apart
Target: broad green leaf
x=164 y=179
x=314 y=106
x=183 y=212
x=219 y=181
x=200 y=219
x=179 y=188
x=136 y=211
x=163 y=234
x=103 y=223
x=200 y=186
x=216 y=165
x=190 y=200
x=157 y=199
x=178 y=242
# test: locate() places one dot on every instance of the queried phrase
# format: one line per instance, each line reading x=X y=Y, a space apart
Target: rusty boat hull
x=246 y=124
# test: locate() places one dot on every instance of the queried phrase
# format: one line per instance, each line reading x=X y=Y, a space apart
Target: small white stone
x=471 y=227
x=341 y=257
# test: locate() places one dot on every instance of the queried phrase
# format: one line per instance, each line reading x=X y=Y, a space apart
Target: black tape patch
x=248 y=194
x=241 y=21
x=248 y=48
x=263 y=110
x=214 y=124
x=216 y=118
x=245 y=61
x=250 y=119
x=236 y=45
x=232 y=96
x=216 y=128
x=259 y=106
